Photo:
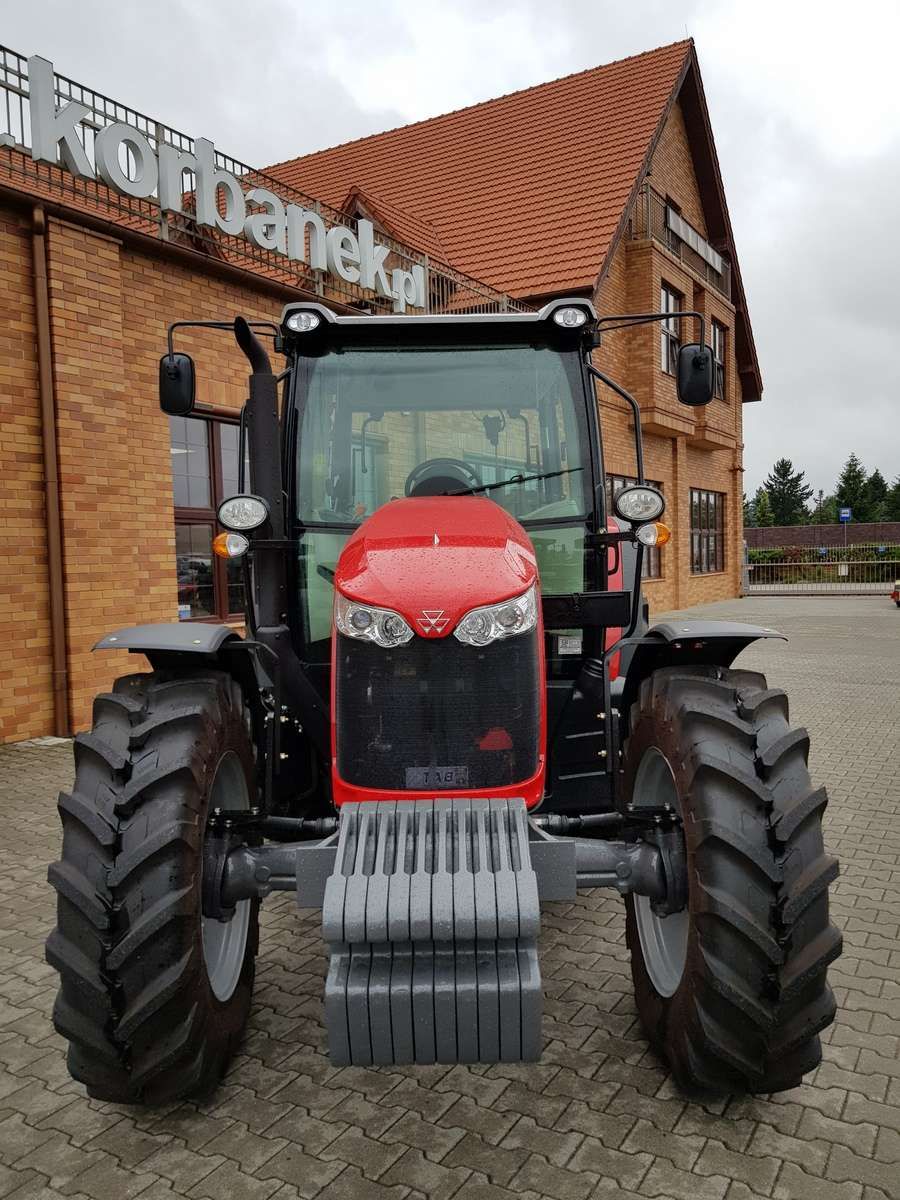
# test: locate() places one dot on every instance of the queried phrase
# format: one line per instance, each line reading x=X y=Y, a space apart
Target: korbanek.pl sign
x=258 y=214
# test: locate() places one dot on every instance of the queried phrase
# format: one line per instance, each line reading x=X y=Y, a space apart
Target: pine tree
x=850 y=490
x=763 y=509
x=749 y=514
x=825 y=510
x=892 y=502
x=788 y=493
x=876 y=496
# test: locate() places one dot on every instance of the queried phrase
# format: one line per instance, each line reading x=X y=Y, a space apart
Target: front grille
x=435 y=715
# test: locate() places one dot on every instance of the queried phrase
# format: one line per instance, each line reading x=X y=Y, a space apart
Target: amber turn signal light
x=653 y=534
x=230 y=545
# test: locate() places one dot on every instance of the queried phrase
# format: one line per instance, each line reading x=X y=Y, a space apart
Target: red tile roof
x=524 y=192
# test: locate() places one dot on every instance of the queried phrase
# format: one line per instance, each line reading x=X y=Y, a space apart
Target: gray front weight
x=431 y=916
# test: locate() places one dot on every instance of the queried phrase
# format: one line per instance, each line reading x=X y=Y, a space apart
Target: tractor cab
x=498 y=409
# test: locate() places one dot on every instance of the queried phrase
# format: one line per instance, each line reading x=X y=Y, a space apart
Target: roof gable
x=525 y=191
x=531 y=192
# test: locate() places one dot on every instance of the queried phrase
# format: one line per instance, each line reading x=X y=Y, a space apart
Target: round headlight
x=639 y=503
x=570 y=318
x=303 y=322
x=243 y=512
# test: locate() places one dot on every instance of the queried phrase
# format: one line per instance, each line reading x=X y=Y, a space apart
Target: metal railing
x=446 y=288
x=806 y=570
x=648 y=220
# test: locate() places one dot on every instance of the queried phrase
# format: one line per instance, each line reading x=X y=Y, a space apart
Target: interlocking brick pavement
x=598 y=1117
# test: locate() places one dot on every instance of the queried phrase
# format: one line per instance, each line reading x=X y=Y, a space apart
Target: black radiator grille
x=435 y=710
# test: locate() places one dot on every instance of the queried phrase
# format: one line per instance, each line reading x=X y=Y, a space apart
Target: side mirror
x=176 y=384
x=696 y=380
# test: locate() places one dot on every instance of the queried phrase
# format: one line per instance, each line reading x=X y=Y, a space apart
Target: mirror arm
x=630 y=400
x=626 y=320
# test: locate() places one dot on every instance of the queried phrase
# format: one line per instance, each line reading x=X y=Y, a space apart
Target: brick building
x=602 y=184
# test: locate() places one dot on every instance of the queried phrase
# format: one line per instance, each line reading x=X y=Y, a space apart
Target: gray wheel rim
x=664 y=940
x=225 y=942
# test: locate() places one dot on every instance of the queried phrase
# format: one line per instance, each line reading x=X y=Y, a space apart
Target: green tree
x=850 y=490
x=788 y=493
x=763 y=509
x=824 y=511
x=876 y=496
x=892 y=503
x=749 y=514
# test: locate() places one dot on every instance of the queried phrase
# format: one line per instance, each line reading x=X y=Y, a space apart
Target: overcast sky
x=805 y=106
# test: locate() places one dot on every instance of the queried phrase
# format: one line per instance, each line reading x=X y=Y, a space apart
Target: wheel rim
x=225 y=942
x=664 y=940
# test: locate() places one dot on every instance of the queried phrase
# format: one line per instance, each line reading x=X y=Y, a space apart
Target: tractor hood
x=434 y=558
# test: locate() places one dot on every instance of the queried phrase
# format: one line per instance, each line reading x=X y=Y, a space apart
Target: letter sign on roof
x=258 y=215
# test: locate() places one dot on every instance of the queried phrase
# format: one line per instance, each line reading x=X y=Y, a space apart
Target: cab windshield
x=379 y=424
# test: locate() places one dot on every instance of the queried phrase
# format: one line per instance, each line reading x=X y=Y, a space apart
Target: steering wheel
x=438 y=475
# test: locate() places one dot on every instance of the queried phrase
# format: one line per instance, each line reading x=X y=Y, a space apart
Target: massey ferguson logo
x=433 y=620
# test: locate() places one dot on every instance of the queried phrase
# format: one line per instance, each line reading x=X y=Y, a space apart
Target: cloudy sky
x=805 y=106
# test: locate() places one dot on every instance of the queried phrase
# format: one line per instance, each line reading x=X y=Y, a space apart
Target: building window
x=204 y=473
x=718 y=348
x=707 y=532
x=670 y=301
x=651 y=568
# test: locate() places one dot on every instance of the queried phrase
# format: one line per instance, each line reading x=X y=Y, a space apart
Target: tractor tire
x=732 y=991
x=153 y=996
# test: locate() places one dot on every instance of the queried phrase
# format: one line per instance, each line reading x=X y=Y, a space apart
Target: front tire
x=153 y=996
x=732 y=991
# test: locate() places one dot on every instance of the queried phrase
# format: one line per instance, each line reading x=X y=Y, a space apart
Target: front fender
x=175 y=637
x=688 y=643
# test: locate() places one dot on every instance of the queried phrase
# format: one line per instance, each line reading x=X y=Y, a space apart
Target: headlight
x=496 y=621
x=365 y=623
x=641 y=503
x=303 y=322
x=242 y=512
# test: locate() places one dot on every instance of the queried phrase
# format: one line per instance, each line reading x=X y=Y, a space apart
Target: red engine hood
x=433 y=558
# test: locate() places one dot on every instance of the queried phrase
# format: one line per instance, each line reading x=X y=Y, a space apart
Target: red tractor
x=448 y=708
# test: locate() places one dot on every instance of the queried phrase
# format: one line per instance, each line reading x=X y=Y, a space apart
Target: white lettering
x=297 y=220
x=371 y=260
x=342 y=249
x=53 y=129
x=403 y=288
x=172 y=166
x=299 y=233
x=210 y=181
x=107 y=148
x=267 y=229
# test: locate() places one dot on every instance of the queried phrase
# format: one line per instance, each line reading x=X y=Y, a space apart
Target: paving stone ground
x=598 y=1117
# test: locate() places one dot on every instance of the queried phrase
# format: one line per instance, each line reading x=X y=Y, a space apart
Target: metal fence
x=830 y=570
x=648 y=220
x=447 y=288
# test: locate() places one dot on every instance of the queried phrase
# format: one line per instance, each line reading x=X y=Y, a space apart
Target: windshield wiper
x=490 y=487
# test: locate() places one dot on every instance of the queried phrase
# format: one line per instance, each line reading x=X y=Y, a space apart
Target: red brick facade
x=683 y=448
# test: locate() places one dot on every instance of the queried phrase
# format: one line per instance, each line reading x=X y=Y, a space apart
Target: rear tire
x=742 y=1006
x=152 y=1010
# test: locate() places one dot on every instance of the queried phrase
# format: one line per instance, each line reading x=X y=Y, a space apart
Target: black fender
x=688 y=643
x=175 y=637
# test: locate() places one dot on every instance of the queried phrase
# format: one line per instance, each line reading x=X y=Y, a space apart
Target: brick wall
x=26 y=697
x=683 y=448
x=858 y=533
x=110 y=306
